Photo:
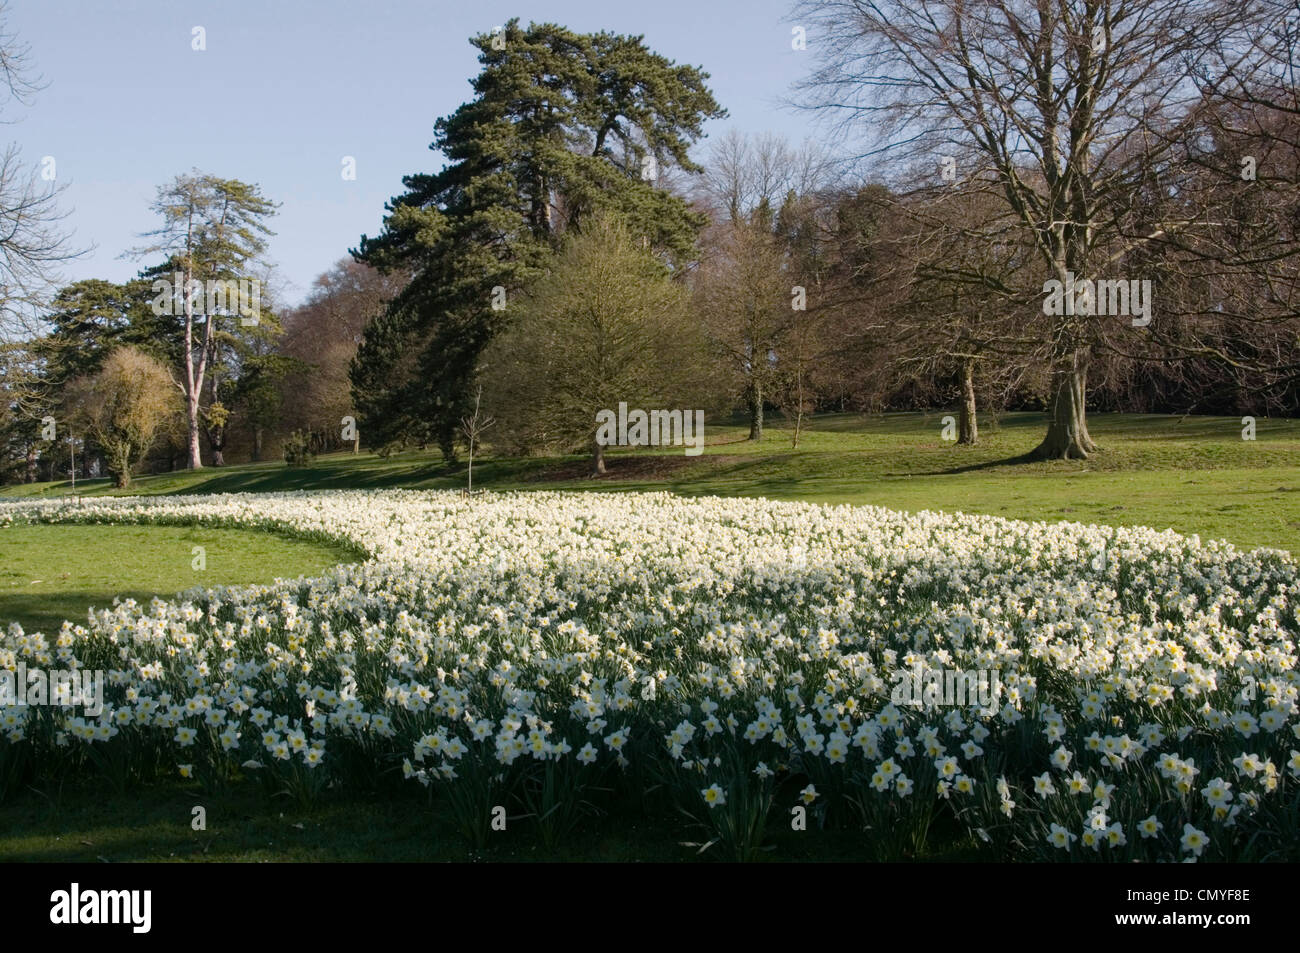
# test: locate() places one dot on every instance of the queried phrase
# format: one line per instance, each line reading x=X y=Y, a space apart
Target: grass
x=1195 y=475
x=49 y=573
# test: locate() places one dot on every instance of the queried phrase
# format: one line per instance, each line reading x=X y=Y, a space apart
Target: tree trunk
x=217 y=444
x=597 y=458
x=193 y=374
x=1067 y=427
x=968 y=426
x=755 y=410
x=192 y=411
x=257 y=444
x=119 y=466
x=447 y=445
x=798 y=404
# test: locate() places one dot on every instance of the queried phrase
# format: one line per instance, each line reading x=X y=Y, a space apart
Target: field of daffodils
x=723 y=664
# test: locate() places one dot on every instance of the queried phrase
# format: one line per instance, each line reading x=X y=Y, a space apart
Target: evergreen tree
x=89 y=319
x=561 y=125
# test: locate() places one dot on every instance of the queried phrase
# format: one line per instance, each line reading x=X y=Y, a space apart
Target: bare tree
x=794 y=389
x=743 y=294
x=744 y=171
x=747 y=273
x=1056 y=100
x=322 y=336
x=971 y=299
x=474 y=426
x=32 y=243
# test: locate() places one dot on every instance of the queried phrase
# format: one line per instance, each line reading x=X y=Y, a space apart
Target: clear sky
x=286 y=88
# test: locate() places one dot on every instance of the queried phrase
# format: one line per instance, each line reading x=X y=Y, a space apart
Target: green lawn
x=49 y=573
x=1193 y=474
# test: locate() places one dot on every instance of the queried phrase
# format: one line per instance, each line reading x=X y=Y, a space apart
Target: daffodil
x=1060 y=837
x=1194 y=840
x=1150 y=826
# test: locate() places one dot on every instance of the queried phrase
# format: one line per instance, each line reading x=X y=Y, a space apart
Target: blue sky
x=286 y=88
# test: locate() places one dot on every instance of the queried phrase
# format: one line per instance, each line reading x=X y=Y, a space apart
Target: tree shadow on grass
x=46 y=611
x=1020 y=460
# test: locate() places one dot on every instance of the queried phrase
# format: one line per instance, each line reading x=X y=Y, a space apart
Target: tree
x=971 y=299
x=321 y=339
x=213 y=230
x=746 y=171
x=763 y=261
x=89 y=319
x=744 y=295
x=239 y=349
x=474 y=426
x=32 y=248
x=259 y=392
x=85 y=321
x=123 y=407
x=32 y=245
x=23 y=402
x=821 y=322
x=562 y=126
x=794 y=391
x=1060 y=102
x=607 y=325
x=1233 y=283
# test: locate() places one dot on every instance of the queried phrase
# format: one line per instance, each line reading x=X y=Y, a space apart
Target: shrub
x=298 y=449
